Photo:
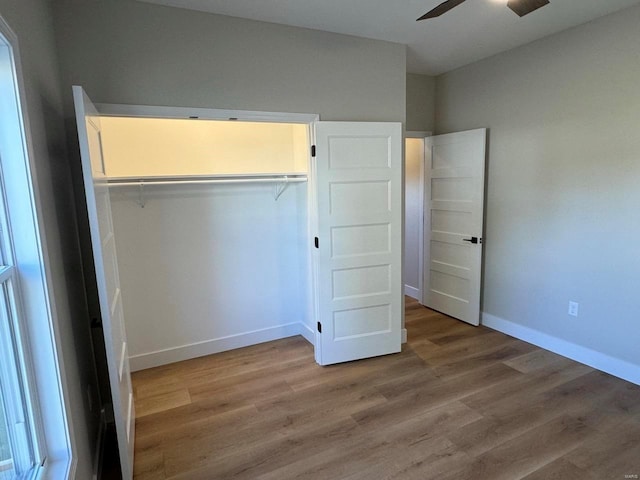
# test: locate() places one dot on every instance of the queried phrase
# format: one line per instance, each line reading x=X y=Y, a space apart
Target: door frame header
x=145 y=111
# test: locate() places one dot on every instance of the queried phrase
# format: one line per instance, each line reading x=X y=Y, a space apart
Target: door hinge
x=313 y=150
x=316 y=241
x=319 y=327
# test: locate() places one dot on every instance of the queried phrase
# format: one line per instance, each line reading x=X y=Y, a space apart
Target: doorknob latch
x=472 y=240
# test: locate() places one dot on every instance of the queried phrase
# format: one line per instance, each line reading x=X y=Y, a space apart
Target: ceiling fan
x=521 y=7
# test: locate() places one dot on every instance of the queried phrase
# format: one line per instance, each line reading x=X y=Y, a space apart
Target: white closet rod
x=281 y=181
x=137 y=183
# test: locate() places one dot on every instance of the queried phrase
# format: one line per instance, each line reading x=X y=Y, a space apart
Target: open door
x=106 y=268
x=454 y=197
x=358 y=262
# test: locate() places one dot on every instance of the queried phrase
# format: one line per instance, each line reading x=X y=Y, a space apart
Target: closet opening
x=212 y=232
x=212 y=221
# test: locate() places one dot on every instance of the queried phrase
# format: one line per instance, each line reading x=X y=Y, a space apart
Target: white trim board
x=121 y=110
x=600 y=361
x=308 y=333
x=217 y=345
x=412 y=292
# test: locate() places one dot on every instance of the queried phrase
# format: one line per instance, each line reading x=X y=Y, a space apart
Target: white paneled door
x=358 y=172
x=106 y=267
x=454 y=196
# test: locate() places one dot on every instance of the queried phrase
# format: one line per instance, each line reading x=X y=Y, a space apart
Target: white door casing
x=106 y=269
x=358 y=262
x=454 y=207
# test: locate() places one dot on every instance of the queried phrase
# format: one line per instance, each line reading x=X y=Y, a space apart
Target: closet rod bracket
x=141 y=200
x=280 y=188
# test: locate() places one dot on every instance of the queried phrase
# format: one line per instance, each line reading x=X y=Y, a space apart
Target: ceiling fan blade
x=444 y=7
x=524 y=7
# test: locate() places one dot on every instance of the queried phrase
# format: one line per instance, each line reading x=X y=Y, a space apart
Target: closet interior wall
x=208 y=268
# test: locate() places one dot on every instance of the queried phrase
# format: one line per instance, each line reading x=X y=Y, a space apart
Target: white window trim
x=51 y=399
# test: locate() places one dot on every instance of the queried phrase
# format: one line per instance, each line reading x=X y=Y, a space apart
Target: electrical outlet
x=573 y=308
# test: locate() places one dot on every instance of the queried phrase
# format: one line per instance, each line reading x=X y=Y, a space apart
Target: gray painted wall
x=421 y=98
x=31 y=21
x=123 y=51
x=563 y=180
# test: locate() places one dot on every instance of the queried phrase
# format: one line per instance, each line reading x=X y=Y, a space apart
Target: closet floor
x=459 y=402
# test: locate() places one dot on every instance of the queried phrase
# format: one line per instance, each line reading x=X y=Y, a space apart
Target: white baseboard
x=308 y=333
x=412 y=292
x=600 y=361
x=216 y=345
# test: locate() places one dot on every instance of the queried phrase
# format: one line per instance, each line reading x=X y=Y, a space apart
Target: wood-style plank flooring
x=458 y=403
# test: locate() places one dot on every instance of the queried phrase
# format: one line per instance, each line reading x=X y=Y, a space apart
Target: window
x=16 y=439
x=17 y=432
x=34 y=407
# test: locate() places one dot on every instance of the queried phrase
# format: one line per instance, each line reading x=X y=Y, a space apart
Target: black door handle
x=472 y=240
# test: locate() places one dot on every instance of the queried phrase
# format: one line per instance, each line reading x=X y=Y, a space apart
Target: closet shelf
x=281 y=181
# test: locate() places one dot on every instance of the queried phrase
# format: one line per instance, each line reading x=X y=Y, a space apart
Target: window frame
x=40 y=341
x=14 y=376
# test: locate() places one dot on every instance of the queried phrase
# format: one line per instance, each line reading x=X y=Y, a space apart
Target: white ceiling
x=474 y=30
